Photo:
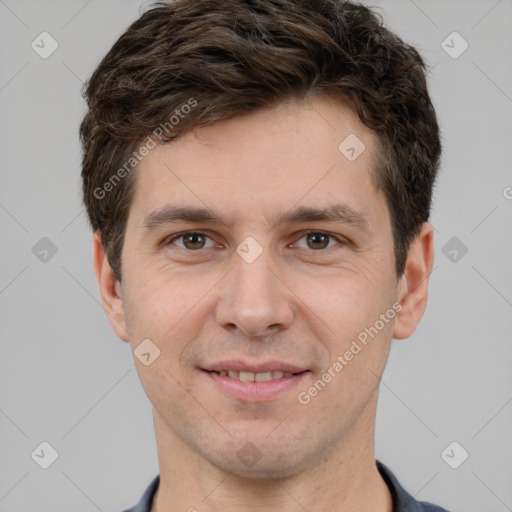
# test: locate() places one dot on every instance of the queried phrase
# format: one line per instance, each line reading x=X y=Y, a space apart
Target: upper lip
x=259 y=367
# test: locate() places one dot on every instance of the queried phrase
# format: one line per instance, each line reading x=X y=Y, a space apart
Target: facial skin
x=302 y=301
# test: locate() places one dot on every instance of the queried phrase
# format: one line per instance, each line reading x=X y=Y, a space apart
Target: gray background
x=66 y=379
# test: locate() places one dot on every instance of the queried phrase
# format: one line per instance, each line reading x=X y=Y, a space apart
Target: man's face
x=297 y=301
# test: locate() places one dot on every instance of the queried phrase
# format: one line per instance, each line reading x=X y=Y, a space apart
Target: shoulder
x=429 y=507
x=144 y=504
x=402 y=500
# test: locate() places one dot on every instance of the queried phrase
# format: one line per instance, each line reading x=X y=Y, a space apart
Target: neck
x=344 y=478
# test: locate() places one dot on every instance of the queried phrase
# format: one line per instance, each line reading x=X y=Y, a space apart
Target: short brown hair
x=228 y=57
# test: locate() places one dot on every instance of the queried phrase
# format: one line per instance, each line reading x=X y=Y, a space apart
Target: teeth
x=263 y=376
x=255 y=377
x=245 y=376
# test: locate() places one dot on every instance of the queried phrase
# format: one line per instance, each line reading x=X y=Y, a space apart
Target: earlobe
x=110 y=289
x=413 y=285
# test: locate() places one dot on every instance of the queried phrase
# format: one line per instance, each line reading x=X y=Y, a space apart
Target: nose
x=254 y=298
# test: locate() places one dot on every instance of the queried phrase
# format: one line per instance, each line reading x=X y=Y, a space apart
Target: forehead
x=267 y=160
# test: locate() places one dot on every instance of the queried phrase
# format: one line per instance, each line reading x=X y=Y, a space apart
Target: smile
x=255 y=386
x=254 y=377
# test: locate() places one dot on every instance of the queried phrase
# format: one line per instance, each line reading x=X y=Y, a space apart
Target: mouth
x=254 y=382
x=255 y=377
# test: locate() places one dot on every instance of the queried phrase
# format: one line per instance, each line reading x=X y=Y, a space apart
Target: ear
x=413 y=284
x=110 y=289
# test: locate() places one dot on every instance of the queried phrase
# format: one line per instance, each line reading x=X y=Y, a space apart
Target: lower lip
x=255 y=391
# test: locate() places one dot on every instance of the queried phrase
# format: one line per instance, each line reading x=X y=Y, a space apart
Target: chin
x=259 y=459
x=261 y=471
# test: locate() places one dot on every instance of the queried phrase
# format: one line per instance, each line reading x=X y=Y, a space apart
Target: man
x=258 y=176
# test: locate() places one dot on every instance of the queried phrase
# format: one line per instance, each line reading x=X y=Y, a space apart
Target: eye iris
x=193 y=239
x=318 y=238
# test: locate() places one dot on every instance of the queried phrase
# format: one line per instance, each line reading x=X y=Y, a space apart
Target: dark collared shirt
x=402 y=500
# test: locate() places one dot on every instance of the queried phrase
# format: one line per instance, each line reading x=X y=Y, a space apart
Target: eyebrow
x=343 y=213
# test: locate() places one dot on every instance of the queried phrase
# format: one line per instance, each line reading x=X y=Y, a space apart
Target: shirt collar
x=402 y=500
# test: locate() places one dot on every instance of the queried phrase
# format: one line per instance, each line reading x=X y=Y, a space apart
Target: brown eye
x=191 y=241
x=318 y=240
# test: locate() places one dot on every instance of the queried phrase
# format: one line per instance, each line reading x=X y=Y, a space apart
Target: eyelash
x=341 y=241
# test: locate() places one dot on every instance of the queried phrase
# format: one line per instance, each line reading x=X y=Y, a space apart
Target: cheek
x=352 y=300
x=164 y=310
x=351 y=308
x=155 y=291
x=167 y=306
